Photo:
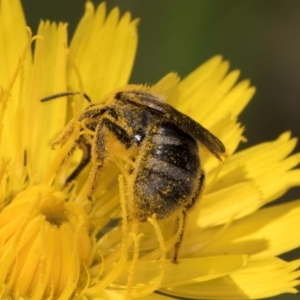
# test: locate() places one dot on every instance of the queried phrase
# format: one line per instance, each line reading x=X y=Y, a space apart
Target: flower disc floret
x=44 y=244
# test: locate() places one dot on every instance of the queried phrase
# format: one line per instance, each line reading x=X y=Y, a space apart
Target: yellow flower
x=56 y=244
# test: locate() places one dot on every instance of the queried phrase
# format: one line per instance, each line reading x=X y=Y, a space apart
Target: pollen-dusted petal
x=46 y=119
x=262 y=278
x=268 y=232
x=45 y=246
x=104 y=50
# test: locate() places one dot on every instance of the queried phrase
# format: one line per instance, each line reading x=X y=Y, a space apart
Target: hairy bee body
x=167 y=172
x=169 y=175
x=161 y=142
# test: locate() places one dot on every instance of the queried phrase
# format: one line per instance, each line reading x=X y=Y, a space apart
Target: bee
x=162 y=143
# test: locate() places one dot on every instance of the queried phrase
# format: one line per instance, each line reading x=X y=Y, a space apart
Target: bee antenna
x=59 y=95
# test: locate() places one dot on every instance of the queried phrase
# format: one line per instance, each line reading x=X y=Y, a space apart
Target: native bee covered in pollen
x=166 y=174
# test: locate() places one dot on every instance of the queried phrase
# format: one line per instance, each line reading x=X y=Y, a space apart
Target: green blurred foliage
x=259 y=37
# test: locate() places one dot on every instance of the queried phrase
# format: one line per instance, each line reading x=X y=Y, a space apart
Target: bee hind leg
x=179 y=241
x=186 y=208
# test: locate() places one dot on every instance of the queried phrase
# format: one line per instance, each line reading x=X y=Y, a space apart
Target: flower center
x=54 y=210
x=45 y=245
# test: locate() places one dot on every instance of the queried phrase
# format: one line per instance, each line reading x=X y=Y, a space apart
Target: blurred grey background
x=259 y=37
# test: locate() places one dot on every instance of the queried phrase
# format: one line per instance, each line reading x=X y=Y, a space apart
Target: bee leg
x=69 y=129
x=186 y=208
x=198 y=191
x=99 y=148
x=178 y=243
x=98 y=153
x=85 y=159
x=95 y=174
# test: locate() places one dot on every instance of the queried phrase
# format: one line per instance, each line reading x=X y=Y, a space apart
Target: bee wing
x=201 y=134
x=197 y=131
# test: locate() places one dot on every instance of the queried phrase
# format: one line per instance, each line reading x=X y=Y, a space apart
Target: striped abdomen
x=168 y=172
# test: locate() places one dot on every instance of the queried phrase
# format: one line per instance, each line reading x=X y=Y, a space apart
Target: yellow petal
x=46 y=120
x=13 y=38
x=167 y=87
x=268 y=232
x=45 y=244
x=208 y=94
x=15 y=61
x=267 y=164
x=155 y=296
x=262 y=278
x=104 y=50
x=187 y=271
x=211 y=97
x=235 y=201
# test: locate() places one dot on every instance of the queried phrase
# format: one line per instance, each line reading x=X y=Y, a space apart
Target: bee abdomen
x=168 y=175
x=174 y=146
